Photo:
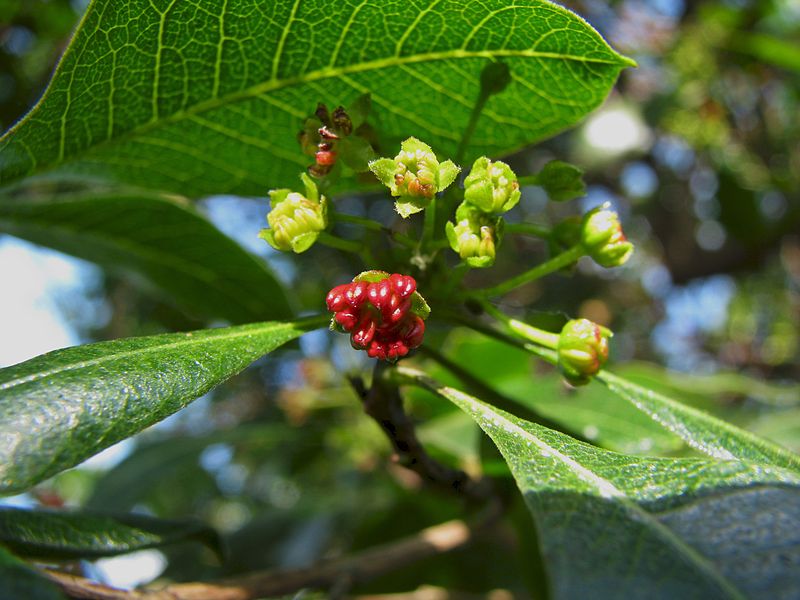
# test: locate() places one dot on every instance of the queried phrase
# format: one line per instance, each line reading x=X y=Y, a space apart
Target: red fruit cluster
x=378 y=315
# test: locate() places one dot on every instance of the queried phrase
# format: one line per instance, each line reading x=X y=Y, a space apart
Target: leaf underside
x=208 y=97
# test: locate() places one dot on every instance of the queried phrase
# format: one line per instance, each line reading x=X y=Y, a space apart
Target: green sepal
x=299 y=244
x=384 y=169
x=410 y=205
x=311 y=188
x=266 y=235
x=419 y=306
x=278 y=196
x=452 y=238
x=373 y=276
x=413 y=145
x=303 y=242
x=479 y=262
x=448 y=171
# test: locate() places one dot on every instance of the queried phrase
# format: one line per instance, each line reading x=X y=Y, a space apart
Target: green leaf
x=51 y=535
x=767 y=48
x=159 y=237
x=613 y=525
x=129 y=482
x=699 y=429
x=591 y=411
x=60 y=408
x=208 y=99
x=722 y=383
x=19 y=580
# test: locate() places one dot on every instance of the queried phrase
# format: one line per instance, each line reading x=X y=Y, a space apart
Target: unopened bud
x=582 y=350
x=295 y=220
x=491 y=186
x=603 y=239
x=414 y=176
x=475 y=235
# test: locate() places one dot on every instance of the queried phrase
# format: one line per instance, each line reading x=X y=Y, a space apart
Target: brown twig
x=383 y=403
x=358 y=568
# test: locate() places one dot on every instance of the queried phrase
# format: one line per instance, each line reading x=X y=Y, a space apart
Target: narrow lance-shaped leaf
x=613 y=525
x=159 y=237
x=60 y=408
x=63 y=535
x=698 y=429
x=141 y=97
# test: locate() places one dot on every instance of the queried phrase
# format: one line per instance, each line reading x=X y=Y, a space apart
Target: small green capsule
x=582 y=350
x=603 y=239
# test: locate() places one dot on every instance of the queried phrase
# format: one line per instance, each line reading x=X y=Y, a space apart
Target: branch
x=383 y=403
x=359 y=568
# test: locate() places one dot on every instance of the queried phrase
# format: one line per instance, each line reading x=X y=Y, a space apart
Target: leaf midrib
x=250 y=331
x=605 y=488
x=317 y=75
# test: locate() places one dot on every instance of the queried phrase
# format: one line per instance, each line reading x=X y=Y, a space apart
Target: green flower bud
x=475 y=235
x=491 y=186
x=414 y=176
x=603 y=239
x=582 y=350
x=295 y=220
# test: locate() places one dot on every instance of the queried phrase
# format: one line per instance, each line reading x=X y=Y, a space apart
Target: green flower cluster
x=295 y=221
x=490 y=189
x=414 y=176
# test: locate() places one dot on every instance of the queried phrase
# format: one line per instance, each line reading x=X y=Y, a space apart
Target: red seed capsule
x=378 y=316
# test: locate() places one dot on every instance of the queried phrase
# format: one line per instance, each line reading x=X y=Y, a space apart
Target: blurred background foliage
x=699 y=151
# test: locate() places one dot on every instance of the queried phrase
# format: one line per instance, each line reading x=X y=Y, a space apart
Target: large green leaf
x=699 y=429
x=62 y=407
x=613 y=525
x=18 y=580
x=52 y=535
x=157 y=236
x=204 y=97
